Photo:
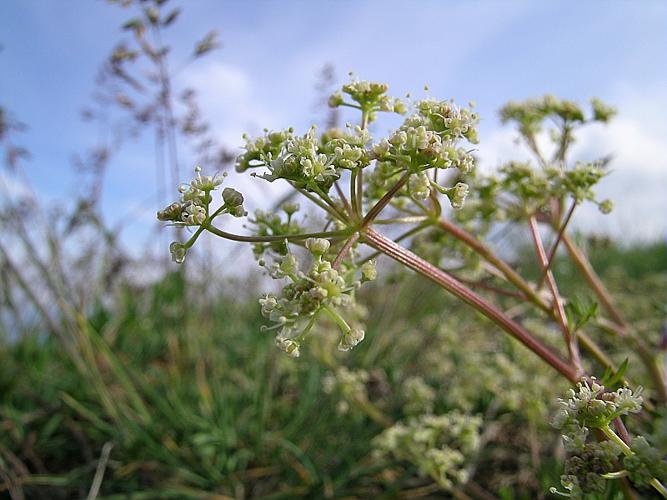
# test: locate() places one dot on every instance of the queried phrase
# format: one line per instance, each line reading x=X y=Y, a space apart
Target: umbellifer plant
x=412 y=178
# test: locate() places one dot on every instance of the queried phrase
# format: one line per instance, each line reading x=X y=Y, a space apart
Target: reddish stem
x=438 y=276
x=377 y=208
x=570 y=340
x=343 y=251
x=488 y=254
x=559 y=236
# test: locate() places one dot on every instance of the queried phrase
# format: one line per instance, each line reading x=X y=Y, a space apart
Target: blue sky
x=486 y=51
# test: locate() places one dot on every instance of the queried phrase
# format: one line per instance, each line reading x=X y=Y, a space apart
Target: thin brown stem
x=382 y=202
x=570 y=340
x=343 y=198
x=491 y=288
x=488 y=254
x=554 y=248
x=617 y=323
x=593 y=280
x=343 y=251
x=514 y=278
x=441 y=278
x=403 y=236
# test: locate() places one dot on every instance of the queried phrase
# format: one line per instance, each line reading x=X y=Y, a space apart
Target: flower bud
x=178 y=251
x=335 y=100
x=420 y=186
x=458 y=194
x=317 y=246
x=606 y=206
x=351 y=339
x=232 y=197
x=237 y=211
x=171 y=213
x=369 y=271
x=289 y=346
x=290 y=208
x=400 y=107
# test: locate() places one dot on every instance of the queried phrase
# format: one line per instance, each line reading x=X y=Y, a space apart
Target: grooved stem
x=441 y=278
x=570 y=339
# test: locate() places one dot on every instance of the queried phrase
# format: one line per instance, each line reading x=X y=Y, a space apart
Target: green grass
x=197 y=401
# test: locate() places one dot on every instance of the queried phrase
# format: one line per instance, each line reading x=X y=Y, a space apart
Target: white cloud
x=229 y=100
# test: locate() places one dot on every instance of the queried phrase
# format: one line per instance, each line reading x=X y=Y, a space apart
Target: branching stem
x=570 y=339
x=453 y=286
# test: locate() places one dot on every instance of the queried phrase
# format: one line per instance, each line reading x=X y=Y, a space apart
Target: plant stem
x=593 y=280
x=488 y=254
x=450 y=284
x=343 y=198
x=382 y=202
x=277 y=237
x=570 y=339
x=343 y=251
x=627 y=451
x=554 y=248
x=330 y=210
x=619 y=326
x=513 y=277
x=353 y=193
x=403 y=236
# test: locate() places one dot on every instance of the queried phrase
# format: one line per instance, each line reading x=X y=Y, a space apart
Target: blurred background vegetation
x=124 y=377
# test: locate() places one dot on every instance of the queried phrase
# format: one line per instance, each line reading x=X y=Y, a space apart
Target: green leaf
x=611 y=379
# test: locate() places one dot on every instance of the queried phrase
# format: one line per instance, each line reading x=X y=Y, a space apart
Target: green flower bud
x=458 y=194
x=237 y=211
x=290 y=208
x=289 y=346
x=606 y=206
x=400 y=107
x=351 y=339
x=317 y=246
x=232 y=197
x=369 y=271
x=335 y=100
x=178 y=251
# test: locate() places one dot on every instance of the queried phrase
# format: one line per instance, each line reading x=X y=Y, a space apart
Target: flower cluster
x=520 y=189
x=370 y=97
x=322 y=289
x=193 y=208
x=261 y=150
x=590 y=464
x=428 y=139
x=645 y=464
x=440 y=446
x=590 y=406
x=586 y=467
x=308 y=162
x=531 y=113
x=272 y=224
